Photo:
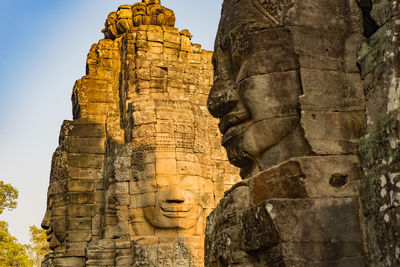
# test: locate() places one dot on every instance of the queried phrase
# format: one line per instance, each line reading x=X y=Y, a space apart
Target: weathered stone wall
x=140 y=167
x=379 y=150
x=290 y=100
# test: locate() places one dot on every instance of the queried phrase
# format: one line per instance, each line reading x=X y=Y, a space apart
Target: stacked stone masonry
x=140 y=167
x=307 y=97
x=290 y=99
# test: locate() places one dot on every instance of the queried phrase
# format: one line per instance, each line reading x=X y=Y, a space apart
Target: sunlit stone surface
x=140 y=167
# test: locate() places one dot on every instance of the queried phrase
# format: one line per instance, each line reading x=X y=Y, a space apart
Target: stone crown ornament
x=148 y=12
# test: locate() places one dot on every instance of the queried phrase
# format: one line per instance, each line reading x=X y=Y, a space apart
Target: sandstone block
x=322 y=10
x=86 y=160
x=80 y=210
x=331 y=90
x=317 y=226
x=84 y=129
x=84 y=173
x=65 y=262
x=319 y=49
x=333 y=132
x=82 y=198
x=155 y=36
x=79 y=236
x=172 y=37
x=81 y=186
x=287 y=181
x=80 y=223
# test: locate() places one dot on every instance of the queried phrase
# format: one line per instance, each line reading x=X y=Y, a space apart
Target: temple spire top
x=148 y=2
x=147 y=12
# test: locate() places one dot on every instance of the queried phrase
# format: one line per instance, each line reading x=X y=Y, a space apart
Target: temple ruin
x=306 y=96
x=140 y=167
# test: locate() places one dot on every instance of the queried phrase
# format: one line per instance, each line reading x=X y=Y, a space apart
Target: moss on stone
x=374 y=50
x=375 y=150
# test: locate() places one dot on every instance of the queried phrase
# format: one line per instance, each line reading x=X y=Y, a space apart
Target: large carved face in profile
x=256 y=86
x=169 y=200
x=54 y=225
x=54 y=221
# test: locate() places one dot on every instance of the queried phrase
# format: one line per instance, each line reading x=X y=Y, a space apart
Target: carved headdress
x=147 y=12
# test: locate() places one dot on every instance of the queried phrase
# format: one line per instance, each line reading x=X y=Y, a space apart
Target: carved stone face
x=255 y=92
x=169 y=199
x=54 y=221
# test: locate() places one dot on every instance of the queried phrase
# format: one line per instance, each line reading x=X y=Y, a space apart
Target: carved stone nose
x=222 y=99
x=175 y=195
x=46 y=221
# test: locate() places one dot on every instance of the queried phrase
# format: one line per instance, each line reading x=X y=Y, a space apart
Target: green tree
x=12 y=253
x=8 y=197
x=39 y=246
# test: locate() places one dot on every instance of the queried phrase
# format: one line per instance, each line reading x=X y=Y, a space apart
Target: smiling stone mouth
x=234 y=133
x=232 y=119
x=176 y=210
x=49 y=234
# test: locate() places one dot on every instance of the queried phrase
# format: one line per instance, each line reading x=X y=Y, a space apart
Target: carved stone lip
x=49 y=234
x=234 y=131
x=176 y=210
x=176 y=214
x=232 y=119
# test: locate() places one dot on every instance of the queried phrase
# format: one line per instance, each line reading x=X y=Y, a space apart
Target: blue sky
x=43 y=48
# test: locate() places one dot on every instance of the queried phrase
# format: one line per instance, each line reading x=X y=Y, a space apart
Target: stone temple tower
x=140 y=167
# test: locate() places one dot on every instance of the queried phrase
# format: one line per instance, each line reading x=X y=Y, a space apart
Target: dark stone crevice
x=370 y=25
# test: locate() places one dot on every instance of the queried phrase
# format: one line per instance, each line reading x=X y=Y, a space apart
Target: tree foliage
x=8 y=197
x=39 y=246
x=12 y=254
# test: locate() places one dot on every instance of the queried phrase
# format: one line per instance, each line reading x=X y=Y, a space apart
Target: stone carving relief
x=288 y=94
x=124 y=19
x=55 y=219
x=169 y=200
x=143 y=13
x=140 y=167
